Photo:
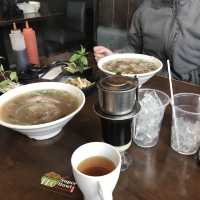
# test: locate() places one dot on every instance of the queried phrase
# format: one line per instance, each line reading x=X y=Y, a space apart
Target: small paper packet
x=56 y=183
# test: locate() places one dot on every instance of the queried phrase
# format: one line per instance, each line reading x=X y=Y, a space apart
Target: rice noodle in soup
x=38 y=107
x=129 y=66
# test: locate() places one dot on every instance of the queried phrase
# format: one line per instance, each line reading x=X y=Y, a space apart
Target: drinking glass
x=118 y=131
x=185 y=135
x=149 y=120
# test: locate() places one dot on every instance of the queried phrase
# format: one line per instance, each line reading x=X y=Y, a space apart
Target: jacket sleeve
x=134 y=35
x=193 y=76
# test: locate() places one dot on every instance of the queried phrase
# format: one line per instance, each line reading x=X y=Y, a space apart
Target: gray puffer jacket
x=169 y=29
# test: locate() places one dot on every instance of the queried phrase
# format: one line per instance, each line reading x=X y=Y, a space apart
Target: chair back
x=76 y=15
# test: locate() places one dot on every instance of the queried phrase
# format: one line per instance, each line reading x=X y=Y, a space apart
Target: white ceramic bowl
x=26 y=8
x=142 y=78
x=46 y=130
x=36 y=5
x=30 y=7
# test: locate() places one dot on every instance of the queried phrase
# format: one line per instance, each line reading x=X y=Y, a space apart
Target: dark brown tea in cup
x=96 y=166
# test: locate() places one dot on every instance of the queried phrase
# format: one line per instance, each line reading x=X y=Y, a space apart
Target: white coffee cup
x=96 y=187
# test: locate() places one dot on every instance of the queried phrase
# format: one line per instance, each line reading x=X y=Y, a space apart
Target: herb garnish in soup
x=38 y=107
x=129 y=66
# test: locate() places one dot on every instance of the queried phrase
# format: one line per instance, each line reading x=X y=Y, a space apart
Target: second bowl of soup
x=131 y=65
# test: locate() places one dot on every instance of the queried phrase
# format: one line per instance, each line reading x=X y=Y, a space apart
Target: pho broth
x=129 y=66
x=38 y=107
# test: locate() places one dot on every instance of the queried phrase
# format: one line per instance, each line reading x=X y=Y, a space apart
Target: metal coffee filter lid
x=118 y=83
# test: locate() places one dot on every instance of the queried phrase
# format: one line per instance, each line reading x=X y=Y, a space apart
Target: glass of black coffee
x=118 y=131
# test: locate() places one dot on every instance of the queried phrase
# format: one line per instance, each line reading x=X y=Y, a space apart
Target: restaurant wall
x=117 y=13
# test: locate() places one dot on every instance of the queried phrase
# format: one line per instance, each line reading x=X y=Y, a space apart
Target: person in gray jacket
x=166 y=29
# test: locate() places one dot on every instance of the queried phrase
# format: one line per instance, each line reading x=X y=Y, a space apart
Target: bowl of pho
x=40 y=110
x=131 y=65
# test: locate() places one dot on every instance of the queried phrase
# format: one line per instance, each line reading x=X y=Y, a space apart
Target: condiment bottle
x=31 y=44
x=19 y=48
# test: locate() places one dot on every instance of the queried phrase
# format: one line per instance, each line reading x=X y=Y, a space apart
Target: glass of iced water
x=148 y=121
x=185 y=131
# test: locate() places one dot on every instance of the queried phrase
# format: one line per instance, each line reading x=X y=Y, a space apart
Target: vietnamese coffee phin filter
x=117 y=108
x=117 y=94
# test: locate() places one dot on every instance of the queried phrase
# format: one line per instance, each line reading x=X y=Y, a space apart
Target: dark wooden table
x=157 y=173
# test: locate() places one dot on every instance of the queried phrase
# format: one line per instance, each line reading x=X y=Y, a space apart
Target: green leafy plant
x=78 y=61
x=9 y=79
